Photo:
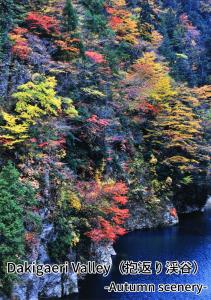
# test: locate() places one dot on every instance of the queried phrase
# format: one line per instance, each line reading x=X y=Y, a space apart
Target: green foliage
x=11 y=13
x=6 y=20
x=96 y=23
x=93 y=93
x=70 y=17
x=16 y=199
x=145 y=184
x=95 y=16
x=187 y=180
x=66 y=222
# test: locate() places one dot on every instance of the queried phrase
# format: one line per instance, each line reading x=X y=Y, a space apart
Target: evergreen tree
x=6 y=18
x=14 y=196
x=71 y=20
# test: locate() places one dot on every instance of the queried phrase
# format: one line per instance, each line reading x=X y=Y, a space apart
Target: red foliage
x=120 y=199
x=119 y=214
x=115 y=21
x=107 y=231
x=109 y=158
x=119 y=188
x=173 y=212
x=97 y=121
x=52 y=143
x=42 y=23
x=110 y=10
x=122 y=22
x=5 y=141
x=33 y=140
x=95 y=57
x=106 y=197
x=42 y=145
x=147 y=107
x=192 y=30
x=21 y=47
x=19 y=31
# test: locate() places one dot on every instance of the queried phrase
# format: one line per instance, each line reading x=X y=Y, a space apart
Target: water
x=190 y=240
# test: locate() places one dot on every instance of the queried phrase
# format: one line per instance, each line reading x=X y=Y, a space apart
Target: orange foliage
x=31 y=239
x=95 y=57
x=105 y=197
x=122 y=22
x=21 y=47
x=173 y=212
x=69 y=46
x=97 y=121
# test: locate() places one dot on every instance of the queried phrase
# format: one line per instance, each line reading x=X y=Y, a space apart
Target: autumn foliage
x=68 y=47
x=42 y=24
x=122 y=22
x=148 y=84
x=20 y=48
x=106 y=223
x=95 y=57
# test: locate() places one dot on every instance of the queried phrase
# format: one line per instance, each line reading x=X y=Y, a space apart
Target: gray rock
x=102 y=253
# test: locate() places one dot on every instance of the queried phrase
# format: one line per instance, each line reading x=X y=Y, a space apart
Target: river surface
x=188 y=241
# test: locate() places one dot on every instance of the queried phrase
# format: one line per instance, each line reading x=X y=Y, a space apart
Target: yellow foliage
x=34 y=100
x=74 y=201
x=156 y=38
x=153 y=160
x=177 y=131
x=75 y=239
x=149 y=80
x=93 y=92
x=123 y=22
x=119 y=3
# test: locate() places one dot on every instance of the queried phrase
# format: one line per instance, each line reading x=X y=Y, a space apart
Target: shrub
x=42 y=24
x=20 y=47
x=102 y=200
x=95 y=57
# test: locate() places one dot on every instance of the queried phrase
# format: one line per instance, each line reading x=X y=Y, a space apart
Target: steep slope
x=102 y=115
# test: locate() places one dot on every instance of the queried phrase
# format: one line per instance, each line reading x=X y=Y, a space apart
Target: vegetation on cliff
x=103 y=104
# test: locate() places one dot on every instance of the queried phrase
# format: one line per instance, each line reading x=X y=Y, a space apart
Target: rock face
x=52 y=285
x=193 y=197
x=102 y=253
x=31 y=287
x=141 y=218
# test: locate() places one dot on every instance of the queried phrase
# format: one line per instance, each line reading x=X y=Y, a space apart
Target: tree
x=147 y=19
x=148 y=84
x=42 y=24
x=6 y=20
x=70 y=17
x=34 y=100
x=175 y=136
x=122 y=22
x=95 y=15
x=103 y=201
x=15 y=197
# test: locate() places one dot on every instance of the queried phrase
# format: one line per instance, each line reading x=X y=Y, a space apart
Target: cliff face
x=105 y=111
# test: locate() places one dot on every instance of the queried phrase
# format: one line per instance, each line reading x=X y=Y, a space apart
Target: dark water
x=191 y=240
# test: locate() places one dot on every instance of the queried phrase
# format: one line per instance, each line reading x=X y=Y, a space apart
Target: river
x=188 y=241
